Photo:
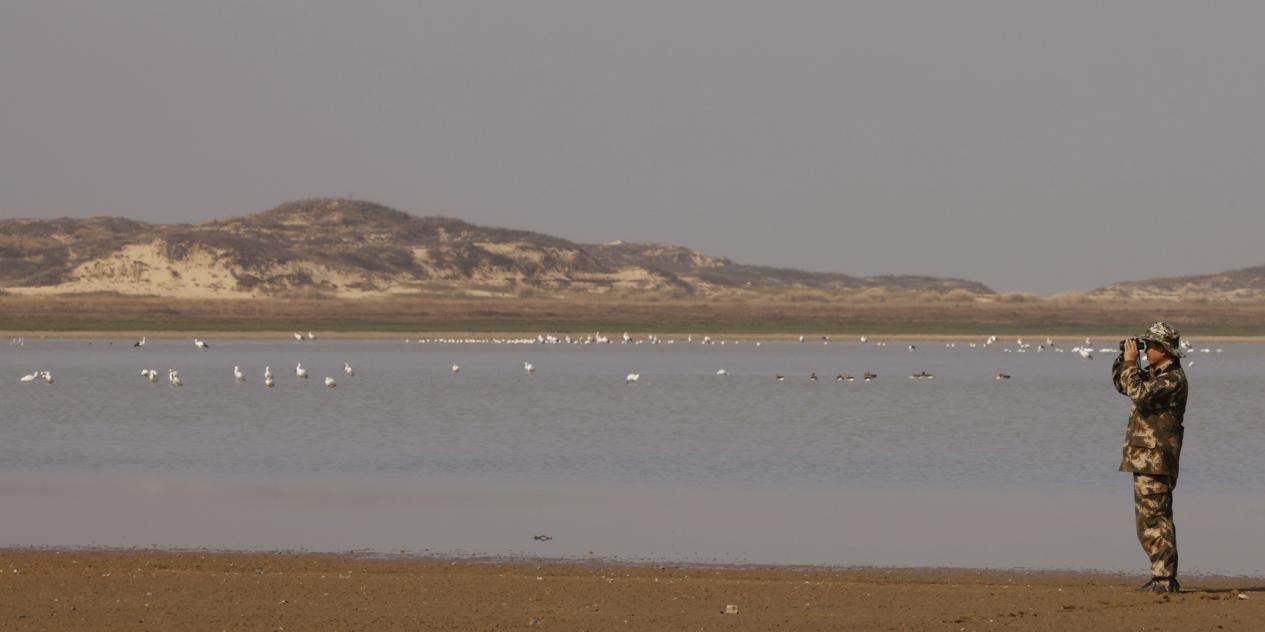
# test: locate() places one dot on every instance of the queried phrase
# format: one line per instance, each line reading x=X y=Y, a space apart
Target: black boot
x=1161 y=585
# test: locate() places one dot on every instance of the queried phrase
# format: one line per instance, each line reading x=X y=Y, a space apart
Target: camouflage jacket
x=1153 y=441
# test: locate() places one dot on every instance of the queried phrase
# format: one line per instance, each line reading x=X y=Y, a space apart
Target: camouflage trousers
x=1153 y=515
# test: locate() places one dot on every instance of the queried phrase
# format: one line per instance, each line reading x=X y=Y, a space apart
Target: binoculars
x=1141 y=344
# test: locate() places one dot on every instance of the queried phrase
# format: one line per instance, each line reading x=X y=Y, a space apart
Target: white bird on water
x=721 y=372
x=48 y=376
x=268 y=381
x=329 y=381
x=300 y=372
x=298 y=336
x=529 y=367
x=173 y=376
x=141 y=342
x=632 y=377
x=456 y=368
x=348 y=370
x=201 y=344
x=238 y=375
x=30 y=378
x=267 y=372
x=1085 y=353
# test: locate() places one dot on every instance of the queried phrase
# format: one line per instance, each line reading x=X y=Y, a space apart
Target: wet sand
x=144 y=590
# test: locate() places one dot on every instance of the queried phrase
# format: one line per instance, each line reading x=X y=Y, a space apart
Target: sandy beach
x=153 y=590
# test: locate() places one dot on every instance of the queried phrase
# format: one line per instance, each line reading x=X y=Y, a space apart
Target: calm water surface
x=962 y=470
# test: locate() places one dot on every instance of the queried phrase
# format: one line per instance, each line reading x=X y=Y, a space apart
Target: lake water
x=685 y=465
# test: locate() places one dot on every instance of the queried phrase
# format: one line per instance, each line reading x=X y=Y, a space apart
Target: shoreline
x=515 y=560
x=680 y=337
x=71 y=589
x=910 y=317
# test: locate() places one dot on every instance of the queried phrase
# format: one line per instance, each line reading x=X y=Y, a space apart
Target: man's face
x=1155 y=354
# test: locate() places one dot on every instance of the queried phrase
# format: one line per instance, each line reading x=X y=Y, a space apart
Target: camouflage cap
x=1167 y=337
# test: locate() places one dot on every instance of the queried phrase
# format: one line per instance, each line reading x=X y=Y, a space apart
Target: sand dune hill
x=1246 y=284
x=349 y=248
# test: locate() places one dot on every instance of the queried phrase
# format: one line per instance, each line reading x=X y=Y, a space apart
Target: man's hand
x=1131 y=350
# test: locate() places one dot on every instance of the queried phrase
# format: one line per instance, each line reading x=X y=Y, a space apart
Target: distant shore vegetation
x=873 y=312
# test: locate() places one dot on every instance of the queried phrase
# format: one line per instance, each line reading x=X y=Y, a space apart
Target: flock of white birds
x=1085 y=351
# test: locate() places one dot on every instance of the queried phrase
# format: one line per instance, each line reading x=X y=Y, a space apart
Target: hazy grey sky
x=1036 y=146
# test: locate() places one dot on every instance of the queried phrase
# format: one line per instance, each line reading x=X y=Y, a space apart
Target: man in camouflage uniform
x=1153 y=444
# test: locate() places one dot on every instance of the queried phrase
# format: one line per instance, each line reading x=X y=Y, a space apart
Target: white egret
x=30 y=378
x=348 y=370
x=201 y=344
x=238 y=375
x=300 y=372
x=329 y=381
x=632 y=377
